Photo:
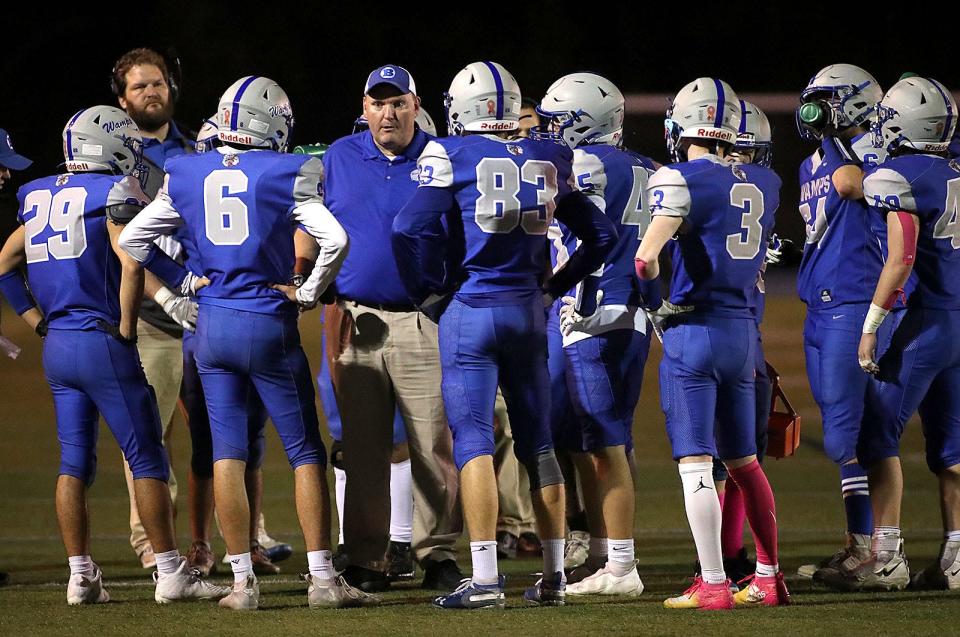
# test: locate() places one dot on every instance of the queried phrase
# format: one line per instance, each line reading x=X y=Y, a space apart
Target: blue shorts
x=563 y=422
x=92 y=373
x=604 y=376
x=830 y=341
x=328 y=400
x=240 y=352
x=191 y=392
x=481 y=347
x=707 y=388
x=764 y=393
x=920 y=371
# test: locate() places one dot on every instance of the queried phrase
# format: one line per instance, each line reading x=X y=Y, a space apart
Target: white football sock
x=765 y=570
x=321 y=564
x=951 y=547
x=886 y=541
x=620 y=556
x=168 y=562
x=401 y=502
x=242 y=566
x=340 y=487
x=598 y=548
x=483 y=556
x=81 y=565
x=552 y=557
x=704 y=516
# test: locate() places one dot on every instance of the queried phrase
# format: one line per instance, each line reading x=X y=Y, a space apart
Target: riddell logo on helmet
x=497 y=125
x=236 y=137
x=712 y=133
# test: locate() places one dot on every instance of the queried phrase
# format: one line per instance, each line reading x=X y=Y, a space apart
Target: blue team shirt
x=73 y=271
x=506 y=191
x=728 y=210
x=929 y=187
x=845 y=244
x=174 y=145
x=244 y=242
x=364 y=189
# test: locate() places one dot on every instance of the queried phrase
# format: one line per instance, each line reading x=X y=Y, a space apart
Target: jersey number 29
x=63 y=213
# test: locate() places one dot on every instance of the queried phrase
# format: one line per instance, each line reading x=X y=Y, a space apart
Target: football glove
x=182 y=309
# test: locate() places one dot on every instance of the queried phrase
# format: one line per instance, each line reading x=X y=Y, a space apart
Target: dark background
x=56 y=62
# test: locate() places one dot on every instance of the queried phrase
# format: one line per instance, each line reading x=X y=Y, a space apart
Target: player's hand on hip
x=867 y=353
x=666 y=310
x=289 y=291
x=193 y=283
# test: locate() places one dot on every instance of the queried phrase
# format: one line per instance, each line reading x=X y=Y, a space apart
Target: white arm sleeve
x=591 y=168
x=157 y=219
x=322 y=226
x=668 y=194
x=433 y=167
x=888 y=189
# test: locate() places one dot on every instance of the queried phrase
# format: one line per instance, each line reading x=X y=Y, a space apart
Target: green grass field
x=809 y=511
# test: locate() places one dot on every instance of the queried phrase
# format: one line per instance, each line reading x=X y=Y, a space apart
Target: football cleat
x=763 y=591
x=245 y=595
x=469 y=595
x=704 y=596
x=441 y=575
x=202 y=558
x=336 y=593
x=604 y=582
x=548 y=591
x=262 y=565
x=936 y=577
x=185 y=584
x=400 y=566
x=868 y=575
x=506 y=545
x=87 y=589
x=585 y=570
x=739 y=567
x=576 y=550
x=276 y=551
x=858 y=547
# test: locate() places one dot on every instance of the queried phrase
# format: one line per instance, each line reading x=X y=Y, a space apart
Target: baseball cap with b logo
x=9 y=157
x=394 y=75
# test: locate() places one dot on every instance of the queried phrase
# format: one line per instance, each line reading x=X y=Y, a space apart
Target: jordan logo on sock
x=701 y=486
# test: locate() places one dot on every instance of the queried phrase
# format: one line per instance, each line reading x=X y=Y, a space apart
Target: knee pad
x=720 y=472
x=79 y=463
x=543 y=470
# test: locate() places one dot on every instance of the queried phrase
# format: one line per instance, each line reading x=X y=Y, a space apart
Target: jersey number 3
x=745 y=244
x=498 y=209
x=225 y=214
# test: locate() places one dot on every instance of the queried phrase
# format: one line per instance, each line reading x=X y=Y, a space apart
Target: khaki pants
x=379 y=359
x=513 y=483
x=162 y=359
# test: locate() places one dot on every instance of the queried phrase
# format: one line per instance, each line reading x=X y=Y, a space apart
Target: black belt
x=383 y=307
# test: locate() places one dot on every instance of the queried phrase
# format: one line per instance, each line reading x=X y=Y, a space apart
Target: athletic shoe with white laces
x=548 y=591
x=857 y=546
x=336 y=593
x=245 y=595
x=869 y=575
x=936 y=577
x=763 y=591
x=87 y=589
x=604 y=582
x=704 y=596
x=471 y=596
x=185 y=584
x=577 y=550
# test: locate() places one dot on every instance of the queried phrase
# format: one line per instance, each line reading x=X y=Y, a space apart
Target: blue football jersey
x=238 y=228
x=844 y=247
x=616 y=181
x=73 y=271
x=506 y=191
x=728 y=210
x=929 y=187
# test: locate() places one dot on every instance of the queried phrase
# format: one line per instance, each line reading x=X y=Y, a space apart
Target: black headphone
x=173 y=77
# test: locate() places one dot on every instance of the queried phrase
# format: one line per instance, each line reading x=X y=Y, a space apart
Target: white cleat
x=87 y=589
x=185 y=584
x=245 y=595
x=336 y=593
x=576 y=550
x=937 y=576
x=604 y=582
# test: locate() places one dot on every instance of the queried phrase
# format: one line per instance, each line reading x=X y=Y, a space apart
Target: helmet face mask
x=580 y=109
x=207 y=137
x=104 y=139
x=849 y=92
x=256 y=112
x=482 y=98
x=917 y=114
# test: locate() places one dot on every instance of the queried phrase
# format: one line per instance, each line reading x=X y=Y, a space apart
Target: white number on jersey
x=637 y=212
x=63 y=212
x=497 y=209
x=225 y=216
x=750 y=199
x=816 y=226
x=948 y=225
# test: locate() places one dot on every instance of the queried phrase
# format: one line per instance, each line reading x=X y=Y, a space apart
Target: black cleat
x=367 y=580
x=400 y=560
x=441 y=575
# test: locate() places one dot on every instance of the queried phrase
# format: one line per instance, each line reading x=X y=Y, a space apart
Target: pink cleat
x=764 y=591
x=704 y=596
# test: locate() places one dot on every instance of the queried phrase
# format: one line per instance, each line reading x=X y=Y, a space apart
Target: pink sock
x=734 y=515
x=761 y=510
x=721 y=495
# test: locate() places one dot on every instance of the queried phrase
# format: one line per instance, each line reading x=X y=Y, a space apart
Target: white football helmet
x=103 y=138
x=255 y=111
x=706 y=108
x=208 y=136
x=851 y=93
x=582 y=108
x=483 y=97
x=754 y=134
x=917 y=113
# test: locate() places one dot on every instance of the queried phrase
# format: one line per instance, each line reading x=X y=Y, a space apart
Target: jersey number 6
x=225 y=214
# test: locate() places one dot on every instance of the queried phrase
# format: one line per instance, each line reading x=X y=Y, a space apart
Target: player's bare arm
x=661 y=230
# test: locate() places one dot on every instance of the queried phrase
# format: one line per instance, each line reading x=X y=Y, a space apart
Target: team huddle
x=525 y=263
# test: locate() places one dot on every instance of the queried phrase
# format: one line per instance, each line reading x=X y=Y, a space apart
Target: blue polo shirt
x=158 y=152
x=365 y=190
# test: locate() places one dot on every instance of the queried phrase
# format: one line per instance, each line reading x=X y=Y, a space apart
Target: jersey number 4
x=63 y=213
x=498 y=209
x=225 y=214
x=948 y=225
